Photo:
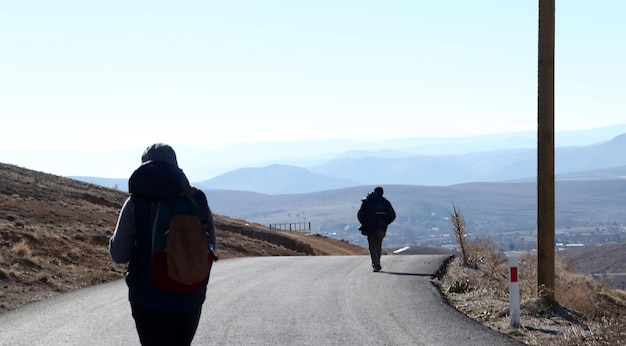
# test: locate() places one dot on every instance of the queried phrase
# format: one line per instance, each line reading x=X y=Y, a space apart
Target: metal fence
x=296 y=226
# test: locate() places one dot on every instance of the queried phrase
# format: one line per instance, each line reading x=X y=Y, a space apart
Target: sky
x=102 y=75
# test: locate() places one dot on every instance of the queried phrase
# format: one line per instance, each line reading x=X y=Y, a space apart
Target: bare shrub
x=573 y=291
x=21 y=249
x=460 y=286
x=527 y=270
x=576 y=292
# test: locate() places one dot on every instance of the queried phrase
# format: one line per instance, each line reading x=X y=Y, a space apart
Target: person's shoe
x=377 y=268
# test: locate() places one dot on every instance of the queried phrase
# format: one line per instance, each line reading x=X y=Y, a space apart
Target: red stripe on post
x=513 y=274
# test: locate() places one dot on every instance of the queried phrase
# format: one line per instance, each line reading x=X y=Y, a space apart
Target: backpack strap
x=155 y=223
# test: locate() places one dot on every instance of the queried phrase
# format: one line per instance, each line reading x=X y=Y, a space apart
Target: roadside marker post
x=514 y=295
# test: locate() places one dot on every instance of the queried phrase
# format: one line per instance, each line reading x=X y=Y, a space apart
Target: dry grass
x=21 y=249
x=588 y=312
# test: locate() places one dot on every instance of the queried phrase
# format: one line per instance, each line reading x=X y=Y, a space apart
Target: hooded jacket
x=375 y=213
x=132 y=241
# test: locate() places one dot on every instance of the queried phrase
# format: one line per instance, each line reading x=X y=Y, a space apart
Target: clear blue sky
x=93 y=75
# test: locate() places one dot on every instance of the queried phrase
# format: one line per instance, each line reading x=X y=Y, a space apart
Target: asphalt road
x=329 y=300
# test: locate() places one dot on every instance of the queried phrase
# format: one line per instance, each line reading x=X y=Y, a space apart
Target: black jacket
x=153 y=181
x=376 y=213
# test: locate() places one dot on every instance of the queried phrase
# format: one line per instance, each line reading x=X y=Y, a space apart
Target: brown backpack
x=181 y=260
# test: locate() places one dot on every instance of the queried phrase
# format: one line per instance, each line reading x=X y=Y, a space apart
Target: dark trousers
x=375 y=241
x=165 y=328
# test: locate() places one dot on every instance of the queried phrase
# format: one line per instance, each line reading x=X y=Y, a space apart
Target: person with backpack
x=163 y=315
x=375 y=215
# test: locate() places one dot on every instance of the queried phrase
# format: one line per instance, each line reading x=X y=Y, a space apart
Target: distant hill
x=596 y=156
x=605 y=262
x=275 y=179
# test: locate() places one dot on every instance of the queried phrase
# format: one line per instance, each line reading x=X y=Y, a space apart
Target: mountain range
x=403 y=162
x=600 y=160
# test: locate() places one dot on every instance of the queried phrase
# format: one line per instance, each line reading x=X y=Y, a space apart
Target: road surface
x=327 y=300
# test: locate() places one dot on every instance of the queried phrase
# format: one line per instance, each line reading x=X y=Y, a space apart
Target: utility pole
x=545 y=153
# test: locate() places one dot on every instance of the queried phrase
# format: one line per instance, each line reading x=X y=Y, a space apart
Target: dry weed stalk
x=460 y=232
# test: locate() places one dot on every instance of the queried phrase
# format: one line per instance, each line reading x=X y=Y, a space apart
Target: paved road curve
x=334 y=300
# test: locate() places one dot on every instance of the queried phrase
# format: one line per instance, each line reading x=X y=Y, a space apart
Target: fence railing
x=294 y=226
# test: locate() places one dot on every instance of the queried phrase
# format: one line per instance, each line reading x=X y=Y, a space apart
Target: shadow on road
x=407 y=274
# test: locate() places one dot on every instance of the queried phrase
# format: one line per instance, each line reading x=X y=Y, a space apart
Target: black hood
x=157 y=180
x=372 y=196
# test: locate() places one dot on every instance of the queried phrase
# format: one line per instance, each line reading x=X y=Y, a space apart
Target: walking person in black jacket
x=375 y=214
x=161 y=317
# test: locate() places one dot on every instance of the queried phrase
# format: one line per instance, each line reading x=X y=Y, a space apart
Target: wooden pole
x=545 y=152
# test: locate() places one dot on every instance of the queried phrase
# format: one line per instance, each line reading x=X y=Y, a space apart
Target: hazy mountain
x=595 y=156
x=392 y=167
x=315 y=153
x=375 y=167
x=275 y=179
x=201 y=164
x=412 y=170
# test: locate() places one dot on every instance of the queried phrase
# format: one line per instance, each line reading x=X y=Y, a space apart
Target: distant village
x=523 y=240
x=510 y=240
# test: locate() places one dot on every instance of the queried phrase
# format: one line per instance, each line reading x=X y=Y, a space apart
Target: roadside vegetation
x=476 y=283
